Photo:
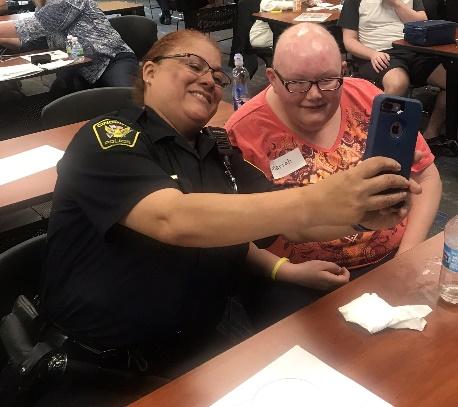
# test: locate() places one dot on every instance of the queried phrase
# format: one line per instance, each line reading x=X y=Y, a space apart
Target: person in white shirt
x=261 y=35
x=369 y=28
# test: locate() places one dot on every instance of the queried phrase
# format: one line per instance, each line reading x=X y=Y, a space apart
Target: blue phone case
x=393 y=129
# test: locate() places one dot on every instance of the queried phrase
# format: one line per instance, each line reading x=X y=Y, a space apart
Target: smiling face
x=183 y=98
x=310 y=55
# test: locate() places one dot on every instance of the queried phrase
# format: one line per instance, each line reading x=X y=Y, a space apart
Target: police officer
x=146 y=233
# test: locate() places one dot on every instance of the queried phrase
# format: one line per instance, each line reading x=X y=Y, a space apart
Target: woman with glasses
x=113 y=62
x=147 y=233
x=311 y=109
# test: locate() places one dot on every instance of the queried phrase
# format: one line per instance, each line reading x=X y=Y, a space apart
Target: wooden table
x=278 y=22
x=108 y=7
x=122 y=7
x=404 y=367
x=18 y=60
x=38 y=188
x=449 y=56
x=14 y=17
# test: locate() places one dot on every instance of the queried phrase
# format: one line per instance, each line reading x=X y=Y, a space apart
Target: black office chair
x=20 y=269
x=84 y=105
x=138 y=32
x=20 y=273
x=212 y=18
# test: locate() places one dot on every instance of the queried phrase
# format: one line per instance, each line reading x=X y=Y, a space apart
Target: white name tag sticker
x=287 y=163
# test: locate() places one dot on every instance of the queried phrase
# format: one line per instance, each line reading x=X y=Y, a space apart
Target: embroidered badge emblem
x=112 y=133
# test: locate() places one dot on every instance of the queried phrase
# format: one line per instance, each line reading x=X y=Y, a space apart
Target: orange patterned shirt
x=262 y=137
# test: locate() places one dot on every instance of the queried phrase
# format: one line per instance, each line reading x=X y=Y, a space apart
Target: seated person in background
x=369 y=29
x=146 y=234
x=165 y=17
x=261 y=35
x=316 y=121
x=113 y=62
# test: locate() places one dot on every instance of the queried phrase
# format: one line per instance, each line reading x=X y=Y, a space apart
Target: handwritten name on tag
x=287 y=163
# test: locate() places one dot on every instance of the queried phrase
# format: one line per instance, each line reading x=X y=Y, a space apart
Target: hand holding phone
x=393 y=130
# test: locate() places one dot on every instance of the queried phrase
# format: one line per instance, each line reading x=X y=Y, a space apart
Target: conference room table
x=279 y=21
x=122 y=7
x=404 y=367
x=14 y=17
x=38 y=188
x=449 y=56
x=18 y=60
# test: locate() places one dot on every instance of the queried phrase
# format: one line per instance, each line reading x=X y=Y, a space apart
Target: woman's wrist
x=279 y=264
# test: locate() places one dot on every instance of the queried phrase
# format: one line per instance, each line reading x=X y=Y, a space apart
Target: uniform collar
x=157 y=129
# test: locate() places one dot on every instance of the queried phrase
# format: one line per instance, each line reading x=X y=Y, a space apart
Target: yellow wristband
x=277 y=266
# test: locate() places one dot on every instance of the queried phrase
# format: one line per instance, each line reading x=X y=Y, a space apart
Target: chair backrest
x=186 y=5
x=20 y=271
x=210 y=19
x=84 y=105
x=138 y=32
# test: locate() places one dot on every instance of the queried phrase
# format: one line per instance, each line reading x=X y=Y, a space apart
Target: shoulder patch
x=112 y=133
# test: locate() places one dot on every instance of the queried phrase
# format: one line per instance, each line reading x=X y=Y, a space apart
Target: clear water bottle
x=77 y=49
x=69 y=45
x=240 y=78
x=448 y=283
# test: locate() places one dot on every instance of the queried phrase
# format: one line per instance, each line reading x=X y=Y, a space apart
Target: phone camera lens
x=396 y=130
x=388 y=106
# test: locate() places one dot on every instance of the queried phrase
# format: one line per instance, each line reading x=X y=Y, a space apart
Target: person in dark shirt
x=165 y=17
x=147 y=235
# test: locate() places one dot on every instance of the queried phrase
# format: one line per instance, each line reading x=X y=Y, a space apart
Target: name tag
x=286 y=164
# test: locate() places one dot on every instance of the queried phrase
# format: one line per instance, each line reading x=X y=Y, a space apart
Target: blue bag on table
x=430 y=32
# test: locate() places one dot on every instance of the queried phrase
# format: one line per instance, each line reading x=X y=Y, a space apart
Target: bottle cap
x=238 y=60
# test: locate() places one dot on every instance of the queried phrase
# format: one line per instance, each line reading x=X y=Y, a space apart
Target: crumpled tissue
x=375 y=314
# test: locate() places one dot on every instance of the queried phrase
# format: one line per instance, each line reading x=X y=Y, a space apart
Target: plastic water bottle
x=240 y=78
x=77 y=49
x=69 y=45
x=448 y=283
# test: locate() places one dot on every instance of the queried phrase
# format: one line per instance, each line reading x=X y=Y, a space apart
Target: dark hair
x=165 y=46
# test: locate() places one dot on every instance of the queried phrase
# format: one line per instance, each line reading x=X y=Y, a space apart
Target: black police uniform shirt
x=108 y=285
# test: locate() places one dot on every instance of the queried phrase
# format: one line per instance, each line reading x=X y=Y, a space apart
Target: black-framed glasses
x=303 y=86
x=199 y=66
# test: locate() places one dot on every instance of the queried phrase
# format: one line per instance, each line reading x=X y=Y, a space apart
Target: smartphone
x=393 y=130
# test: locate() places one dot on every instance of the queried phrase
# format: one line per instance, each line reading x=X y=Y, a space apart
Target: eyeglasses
x=200 y=67
x=303 y=86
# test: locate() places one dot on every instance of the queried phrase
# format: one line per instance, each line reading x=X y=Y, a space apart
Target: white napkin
x=374 y=314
